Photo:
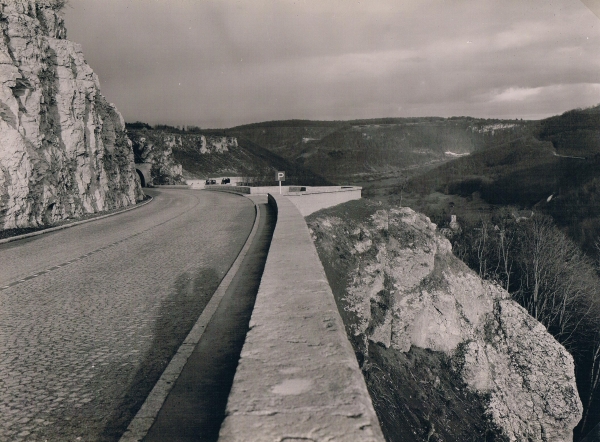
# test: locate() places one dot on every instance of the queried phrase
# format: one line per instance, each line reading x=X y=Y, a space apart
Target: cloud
x=240 y=62
x=516 y=94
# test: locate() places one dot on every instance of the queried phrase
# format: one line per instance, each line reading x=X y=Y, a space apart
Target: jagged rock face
x=214 y=144
x=164 y=170
x=404 y=289
x=205 y=144
x=157 y=148
x=63 y=147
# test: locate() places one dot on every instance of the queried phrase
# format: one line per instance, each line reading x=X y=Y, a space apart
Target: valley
x=496 y=177
x=457 y=298
x=358 y=151
x=461 y=165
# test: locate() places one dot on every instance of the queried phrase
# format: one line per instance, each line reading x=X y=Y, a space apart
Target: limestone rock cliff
x=209 y=144
x=174 y=156
x=407 y=301
x=158 y=153
x=63 y=147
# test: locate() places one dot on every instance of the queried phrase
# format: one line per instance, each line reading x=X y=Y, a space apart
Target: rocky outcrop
x=165 y=150
x=159 y=154
x=63 y=147
x=402 y=291
x=215 y=144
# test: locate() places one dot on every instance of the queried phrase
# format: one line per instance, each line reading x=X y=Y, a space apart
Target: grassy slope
x=364 y=150
x=559 y=158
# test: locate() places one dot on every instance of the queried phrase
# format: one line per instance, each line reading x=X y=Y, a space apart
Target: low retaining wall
x=310 y=202
x=298 y=377
x=264 y=190
x=201 y=184
x=307 y=201
x=235 y=189
x=196 y=184
x=171 y=186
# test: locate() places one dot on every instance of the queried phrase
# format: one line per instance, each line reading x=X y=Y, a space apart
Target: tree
x=549 y=275
x=557 y=281
x=594 y=376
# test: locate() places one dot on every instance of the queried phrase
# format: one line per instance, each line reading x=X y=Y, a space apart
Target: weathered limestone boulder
x=404 y=290
x=63 y=147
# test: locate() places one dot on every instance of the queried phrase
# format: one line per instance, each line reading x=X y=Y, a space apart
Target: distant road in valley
x=93 y=313
x=568 y=156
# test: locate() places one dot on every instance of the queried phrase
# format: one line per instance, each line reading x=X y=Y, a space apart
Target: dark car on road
x=208 y=182
x=225 y=181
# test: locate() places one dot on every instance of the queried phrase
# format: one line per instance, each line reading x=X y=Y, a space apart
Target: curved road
x=94 y=313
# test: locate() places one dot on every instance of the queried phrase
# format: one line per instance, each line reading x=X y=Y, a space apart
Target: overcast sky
x=227 y=62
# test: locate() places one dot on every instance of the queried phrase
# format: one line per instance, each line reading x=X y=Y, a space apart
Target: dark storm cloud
x=227 y=62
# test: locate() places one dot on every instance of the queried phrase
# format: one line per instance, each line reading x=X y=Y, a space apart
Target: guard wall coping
x=308 y=203
x=233 y=189
x=298 y=377
x=285 y=190
x=171 y=186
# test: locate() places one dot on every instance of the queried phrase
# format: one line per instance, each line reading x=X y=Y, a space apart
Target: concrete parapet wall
x=172 y=186
x=196 y=184
x=310 y=202
x=201 y=184
x=307 y=201
x=298 y=377
x=291 y=190
x=328 y=189
x=233 y=189
x=269 y=189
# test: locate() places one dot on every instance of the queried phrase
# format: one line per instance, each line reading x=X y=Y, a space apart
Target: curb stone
x=76 y=223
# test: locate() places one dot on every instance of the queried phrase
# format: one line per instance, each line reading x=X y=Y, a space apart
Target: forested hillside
x=553 y=169
x=362 y=151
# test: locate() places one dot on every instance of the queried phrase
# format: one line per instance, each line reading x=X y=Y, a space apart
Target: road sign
x=280 y=176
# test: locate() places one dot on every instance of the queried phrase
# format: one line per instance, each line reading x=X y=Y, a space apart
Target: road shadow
x=196 y=406
x=177 y=315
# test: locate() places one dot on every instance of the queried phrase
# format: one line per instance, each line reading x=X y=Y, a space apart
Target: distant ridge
x=355 y=151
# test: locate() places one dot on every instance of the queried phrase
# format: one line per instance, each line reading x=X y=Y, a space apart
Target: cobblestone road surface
x=91 y=315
